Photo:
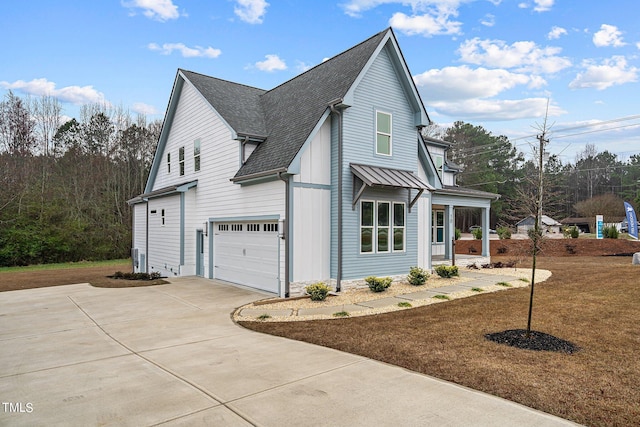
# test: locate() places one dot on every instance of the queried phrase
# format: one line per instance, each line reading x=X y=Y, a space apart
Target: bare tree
x=47 y=114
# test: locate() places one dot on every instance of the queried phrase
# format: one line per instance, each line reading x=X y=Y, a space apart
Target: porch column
x=428 y=234
x=485 y=232
x=448 y=231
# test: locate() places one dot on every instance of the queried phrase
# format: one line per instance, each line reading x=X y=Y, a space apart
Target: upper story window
x=383 y=133
x=181 y=160
x=168 y=162
x=196 y=155
x=438 y=159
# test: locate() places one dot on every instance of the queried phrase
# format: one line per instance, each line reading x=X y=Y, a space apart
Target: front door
x=200 y=253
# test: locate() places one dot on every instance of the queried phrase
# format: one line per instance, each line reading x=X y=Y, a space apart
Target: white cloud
x=508 y=109
x=78 y=95
x=463 y=83
x=159 y=10
x=251 y=11
x=489 y=20
x=612 y=71
x=142 y=108
x=522 y=56
x=425 y=25
x=427 y=17
x=543 y=5
x=638 y=45
x=609 y=35
x=185 y=51
x=272 y=63
x=556 y=33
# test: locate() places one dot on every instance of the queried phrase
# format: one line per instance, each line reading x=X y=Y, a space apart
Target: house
x=547 y=225
x=325 y=177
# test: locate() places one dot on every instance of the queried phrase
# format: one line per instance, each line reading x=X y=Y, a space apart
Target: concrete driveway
x=170 y=355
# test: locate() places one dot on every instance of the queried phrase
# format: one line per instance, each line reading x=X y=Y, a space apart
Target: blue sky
x=492 y=63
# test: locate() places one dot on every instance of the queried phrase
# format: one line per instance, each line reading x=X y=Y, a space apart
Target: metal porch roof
x=387 y=177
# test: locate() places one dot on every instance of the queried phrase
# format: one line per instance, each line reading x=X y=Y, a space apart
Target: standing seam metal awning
x=376 y=176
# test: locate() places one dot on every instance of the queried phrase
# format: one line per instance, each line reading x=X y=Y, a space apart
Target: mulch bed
x=538 y=341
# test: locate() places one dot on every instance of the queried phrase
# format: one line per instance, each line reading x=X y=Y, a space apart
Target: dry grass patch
x=590 y=301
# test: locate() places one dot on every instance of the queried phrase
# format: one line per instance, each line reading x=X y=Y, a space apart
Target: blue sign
x=599 y=226
x=632 y=220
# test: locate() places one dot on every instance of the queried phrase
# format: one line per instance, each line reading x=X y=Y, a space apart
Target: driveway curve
x=171 y=355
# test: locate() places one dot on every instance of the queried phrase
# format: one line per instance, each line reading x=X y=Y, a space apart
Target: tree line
x=64 y=184
x=597 y=182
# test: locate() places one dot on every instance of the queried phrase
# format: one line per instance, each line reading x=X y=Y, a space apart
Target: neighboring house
x=583 y=224
x=548 y=225
x=323 y=178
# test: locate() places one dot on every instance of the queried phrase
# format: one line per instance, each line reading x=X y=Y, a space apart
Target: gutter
x=258 y=175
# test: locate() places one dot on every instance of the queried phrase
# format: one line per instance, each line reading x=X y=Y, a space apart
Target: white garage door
x=247 y=253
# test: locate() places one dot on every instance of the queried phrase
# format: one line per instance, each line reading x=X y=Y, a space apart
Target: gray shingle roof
x=238 y=104
x=287 y=114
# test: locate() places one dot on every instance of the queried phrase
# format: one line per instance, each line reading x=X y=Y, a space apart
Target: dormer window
x=383 y=133
x=439 y=163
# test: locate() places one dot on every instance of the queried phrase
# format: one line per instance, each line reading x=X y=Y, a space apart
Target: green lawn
x=65 y=265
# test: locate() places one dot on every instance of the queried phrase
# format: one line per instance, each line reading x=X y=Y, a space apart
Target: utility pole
x=537 y=234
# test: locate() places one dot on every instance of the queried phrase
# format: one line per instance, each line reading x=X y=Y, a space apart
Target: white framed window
x=398 y=227
x=181 y=160
x=168 y=162
x=382 y=227
x=383 y=133
x=437 y=226
x=438 y=159
x=196 y=155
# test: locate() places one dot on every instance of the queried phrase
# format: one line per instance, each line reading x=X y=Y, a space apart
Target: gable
x=285 y=118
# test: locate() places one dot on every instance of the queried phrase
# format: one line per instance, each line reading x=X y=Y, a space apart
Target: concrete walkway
x=170 y=355
x=475 y=280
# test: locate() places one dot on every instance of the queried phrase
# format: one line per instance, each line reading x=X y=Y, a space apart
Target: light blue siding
x=379 y=90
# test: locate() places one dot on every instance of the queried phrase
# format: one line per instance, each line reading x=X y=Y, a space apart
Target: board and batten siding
x=164 y=240
x=379 y=90
x=312 y=210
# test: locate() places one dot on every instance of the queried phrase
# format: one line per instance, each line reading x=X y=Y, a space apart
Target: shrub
x=341 y=314
x=572 y=232
x=318 y=291
x=447 y=271
x=457 y=233
x=417 y=276
x=503 y=233
x=610 y=232
x=477 y=233
x=378 y=284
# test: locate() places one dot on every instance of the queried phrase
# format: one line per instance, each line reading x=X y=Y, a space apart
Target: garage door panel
x=247 y=257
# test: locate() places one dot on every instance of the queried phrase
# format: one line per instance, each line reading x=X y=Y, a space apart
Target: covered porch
x=443 y=205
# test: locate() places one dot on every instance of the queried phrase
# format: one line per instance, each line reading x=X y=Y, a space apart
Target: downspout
x=286 y=234
x=338 y=113
x=146 y=238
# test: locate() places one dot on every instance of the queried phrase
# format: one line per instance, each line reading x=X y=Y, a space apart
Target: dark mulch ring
x=538 y=341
